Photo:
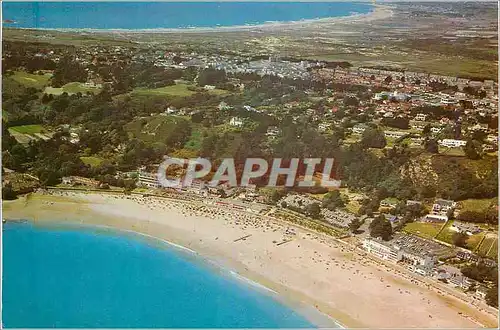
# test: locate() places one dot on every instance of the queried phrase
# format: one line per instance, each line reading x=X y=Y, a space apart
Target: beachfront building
x=80 y=180
x=417 y=254
x=146 y=179
x=382 y=249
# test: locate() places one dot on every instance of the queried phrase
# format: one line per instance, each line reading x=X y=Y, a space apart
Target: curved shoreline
x=317 y=271
x=312 y=315
x=377 y=12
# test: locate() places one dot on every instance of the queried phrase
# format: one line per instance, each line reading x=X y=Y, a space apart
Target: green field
x=27 y=129
x=446 y=234
x=180 y=90
x=26 y=133
x=489 y=246
x=474 y=240
x=31 y=80
x=91 y=160
x=195 y=140
x=153 y=129
x=477 y=204
x=71 y=88
x=423 y=229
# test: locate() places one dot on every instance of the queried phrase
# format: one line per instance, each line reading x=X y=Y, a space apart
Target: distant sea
x=74 y=276
x=155 y=15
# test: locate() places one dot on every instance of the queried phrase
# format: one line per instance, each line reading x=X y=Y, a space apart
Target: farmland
x=38 y=81
x=180 y=90
x=92 y=161
x=26 y=133
x=72 y=88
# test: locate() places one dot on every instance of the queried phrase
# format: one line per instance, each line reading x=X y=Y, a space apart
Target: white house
x=236 y=122
x=451 y=143
x=420 y=117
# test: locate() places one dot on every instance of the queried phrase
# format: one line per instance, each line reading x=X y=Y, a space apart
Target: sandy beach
x=301 y=266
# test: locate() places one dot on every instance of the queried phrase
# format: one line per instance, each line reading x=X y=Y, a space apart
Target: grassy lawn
x=31 y=80
x=27 y=129
x=153 y=129
x=219 y=92
x=180 y=90
x=195 y=140
x=489 y=247
x=477 y=204
x=72 y=88
x=474 y=240
x=92 y=161
x=26 y=133
x=446 y=235
x=423 y=229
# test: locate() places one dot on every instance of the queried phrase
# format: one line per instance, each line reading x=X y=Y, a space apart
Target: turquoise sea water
x=75 y=276
x=153 y=15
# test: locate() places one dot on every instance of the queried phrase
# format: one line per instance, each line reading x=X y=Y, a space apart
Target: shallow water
x=68 y=276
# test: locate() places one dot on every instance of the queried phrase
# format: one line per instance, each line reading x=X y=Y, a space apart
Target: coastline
x=378 y=12
x=298 y=276
x=313 y=316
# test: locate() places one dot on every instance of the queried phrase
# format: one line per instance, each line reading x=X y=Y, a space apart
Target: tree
x=431 y=145
x=351 y=101
x=460 y=239
x=492 y=296
x=373 y=138
x=8 y=192
x=313 y=210
x=427 y=130
x=332 y=200
x=473 y=149
x=381 y=227
x=355 y=224
x=68 y=71
x=211 y=76
x=481 y=272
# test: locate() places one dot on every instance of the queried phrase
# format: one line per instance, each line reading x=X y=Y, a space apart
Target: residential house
x=420 y=117
x=451 y=143
x=236 y=122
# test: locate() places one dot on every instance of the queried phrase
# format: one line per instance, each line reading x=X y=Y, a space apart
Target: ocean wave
x=249 y=281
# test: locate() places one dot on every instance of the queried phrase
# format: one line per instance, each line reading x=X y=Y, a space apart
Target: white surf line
x=249 y=281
